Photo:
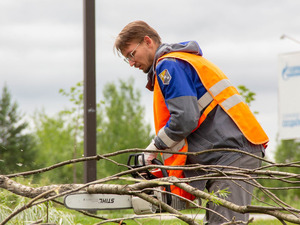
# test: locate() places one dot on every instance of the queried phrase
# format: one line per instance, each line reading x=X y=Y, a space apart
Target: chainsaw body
x=85 y=201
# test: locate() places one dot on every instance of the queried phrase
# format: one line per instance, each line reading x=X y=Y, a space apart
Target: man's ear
x=148 y=40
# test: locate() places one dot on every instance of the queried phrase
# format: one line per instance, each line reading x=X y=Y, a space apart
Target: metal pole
x=90 y=171
x=293 y=39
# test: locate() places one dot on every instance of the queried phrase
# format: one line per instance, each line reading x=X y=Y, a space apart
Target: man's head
x=138 y=42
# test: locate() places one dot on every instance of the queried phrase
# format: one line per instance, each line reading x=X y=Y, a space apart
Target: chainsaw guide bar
x=87 y=201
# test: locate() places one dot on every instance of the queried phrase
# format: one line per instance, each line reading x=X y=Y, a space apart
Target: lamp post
x=90 y=171
x=288 y=37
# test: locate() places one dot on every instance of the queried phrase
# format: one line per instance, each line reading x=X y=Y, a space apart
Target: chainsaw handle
x=136 y=162
x=135 y=159
x=157 y=162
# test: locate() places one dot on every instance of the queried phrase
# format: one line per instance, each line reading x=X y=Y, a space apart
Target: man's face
x=140 y=54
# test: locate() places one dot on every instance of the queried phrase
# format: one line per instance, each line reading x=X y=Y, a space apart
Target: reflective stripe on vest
x=207 y=98
x=222 y=93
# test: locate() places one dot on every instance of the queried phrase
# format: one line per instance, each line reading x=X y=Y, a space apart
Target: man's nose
x=131 y=62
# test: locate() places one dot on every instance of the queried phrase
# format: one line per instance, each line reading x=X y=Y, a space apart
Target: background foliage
x=120 y=121
x=17 y=147
x=122 y=125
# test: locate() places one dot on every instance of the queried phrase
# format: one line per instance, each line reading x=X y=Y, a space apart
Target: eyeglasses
x=131 y=54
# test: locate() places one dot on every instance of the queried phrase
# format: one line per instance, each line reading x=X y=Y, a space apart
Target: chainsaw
x=85 y=201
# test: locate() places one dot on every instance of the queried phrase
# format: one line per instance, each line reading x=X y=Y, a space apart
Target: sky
x=41 y=46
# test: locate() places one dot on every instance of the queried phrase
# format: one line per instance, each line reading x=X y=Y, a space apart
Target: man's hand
x=149 y=156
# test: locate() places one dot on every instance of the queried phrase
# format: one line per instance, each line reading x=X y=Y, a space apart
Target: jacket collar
x=190 y=47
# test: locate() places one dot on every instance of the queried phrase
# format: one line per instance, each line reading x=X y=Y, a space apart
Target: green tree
x=75 y=114
x=288 y=151
x=55 y=144
x=121 y=120
x=60 y=137
x=120 y=123
x=17 y=148
x=247 y=95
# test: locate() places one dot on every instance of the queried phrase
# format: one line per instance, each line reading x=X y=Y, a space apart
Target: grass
x=151 y=221
x=62 y=216
x=83 y=220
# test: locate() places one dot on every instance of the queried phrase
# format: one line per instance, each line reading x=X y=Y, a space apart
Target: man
x=195 y=108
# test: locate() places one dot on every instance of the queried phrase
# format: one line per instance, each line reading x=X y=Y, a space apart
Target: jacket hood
x=189 y=46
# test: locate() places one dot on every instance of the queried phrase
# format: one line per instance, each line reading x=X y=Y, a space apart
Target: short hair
x=135 y=31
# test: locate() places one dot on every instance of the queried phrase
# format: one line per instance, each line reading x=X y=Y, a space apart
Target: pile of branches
x=278 y=208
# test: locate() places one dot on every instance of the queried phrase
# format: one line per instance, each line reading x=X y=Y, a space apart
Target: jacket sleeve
x=181 y=88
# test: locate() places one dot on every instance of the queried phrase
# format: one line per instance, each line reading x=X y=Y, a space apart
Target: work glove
x=149 y=156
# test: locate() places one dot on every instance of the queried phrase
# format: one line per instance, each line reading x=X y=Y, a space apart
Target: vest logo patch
x=165 y=77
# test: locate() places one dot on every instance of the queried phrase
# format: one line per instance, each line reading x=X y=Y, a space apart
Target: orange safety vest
x=219 y=92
